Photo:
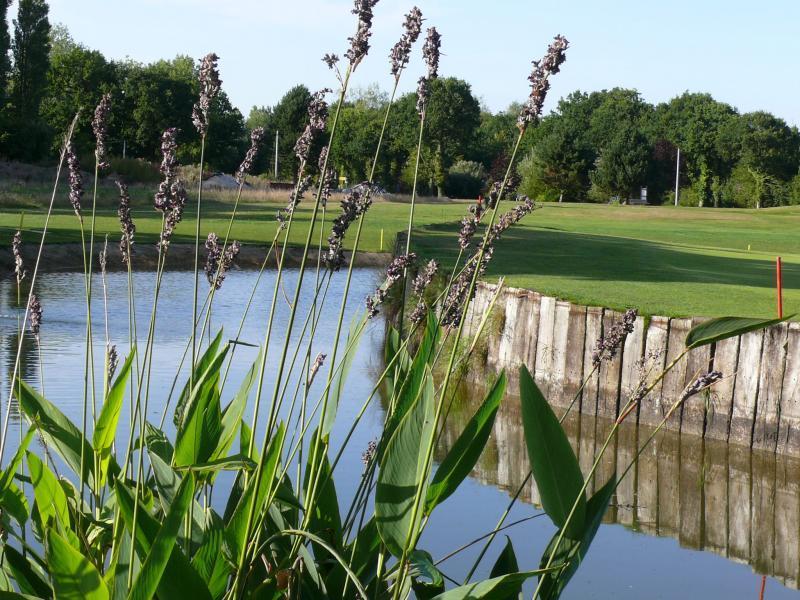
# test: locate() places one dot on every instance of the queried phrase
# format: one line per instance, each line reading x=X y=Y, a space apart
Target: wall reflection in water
x=740 y=504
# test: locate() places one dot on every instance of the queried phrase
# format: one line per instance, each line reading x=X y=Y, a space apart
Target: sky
x=741 y=52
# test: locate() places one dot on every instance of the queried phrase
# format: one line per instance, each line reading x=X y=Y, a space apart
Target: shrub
x=134 y=170
x=465 y=179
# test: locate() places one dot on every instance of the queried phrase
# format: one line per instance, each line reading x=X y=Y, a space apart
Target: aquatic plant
x=98 y=516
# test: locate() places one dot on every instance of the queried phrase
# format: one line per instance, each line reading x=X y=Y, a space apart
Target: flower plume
x=100 y=129
x=210 y=85
x=401 y=51
x=550 y=64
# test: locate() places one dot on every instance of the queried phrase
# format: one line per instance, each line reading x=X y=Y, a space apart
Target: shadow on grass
x=546 y=252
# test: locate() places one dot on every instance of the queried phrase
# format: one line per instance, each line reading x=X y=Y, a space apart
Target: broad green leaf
x=555 y=468
x=715 y=330
x=496 y=588
x=571 y=553
x=106 y=429
x=202 y=425
x=14 y=502
x=155 y=565
x=426 y=579
x=7 y=476
x=200 y=368
x=209 y=560
x=245 y=435
x=73 y=575
x=180 y=580
x=50 y=497
x=464 y=454
x=506 y=564
x=29 y=579
x=58 y=431
x=232 y=415
x=229 y=463
x=158 y=443
x=168 y=483
x=357 y=329
x=411 y=377
x=402 y=472
x=237 y=526
x=325 y=519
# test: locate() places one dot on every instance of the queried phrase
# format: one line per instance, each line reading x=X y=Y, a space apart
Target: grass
x=662 y=260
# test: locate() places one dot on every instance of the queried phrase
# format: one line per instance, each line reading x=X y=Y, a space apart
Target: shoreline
x=69 y=257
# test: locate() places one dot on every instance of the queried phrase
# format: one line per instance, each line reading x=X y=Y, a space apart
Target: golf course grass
x=662 y=260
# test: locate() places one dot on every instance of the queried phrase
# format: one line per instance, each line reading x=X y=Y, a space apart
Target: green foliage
x=402 y=472
x=465 y=179
x=30 y=48
x=715 y=330
x=555 y=467
x=466 y=451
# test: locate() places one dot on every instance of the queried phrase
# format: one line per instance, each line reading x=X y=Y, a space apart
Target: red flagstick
x=779 y=278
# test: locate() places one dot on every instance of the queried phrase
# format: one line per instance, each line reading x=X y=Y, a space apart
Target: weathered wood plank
x=789 y=425
x=745 y=394
x=558 y=370
x=762 y=543
x=652 y=409
x=576 y=341
x=787 y=519
x=594 y=329
x=632 y=369
x=544 y=343
x=626 y=489
x=718 y=420
x=647 y=483
x=672 y=387
x=773 y=362
x=610 y=370
x=698 y=362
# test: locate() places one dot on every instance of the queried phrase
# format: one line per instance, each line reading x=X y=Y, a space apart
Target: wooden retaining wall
x=757 y=404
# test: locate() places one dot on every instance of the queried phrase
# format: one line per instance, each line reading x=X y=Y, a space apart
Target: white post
x=124 y=148
x=277 y=136
x=678 y=177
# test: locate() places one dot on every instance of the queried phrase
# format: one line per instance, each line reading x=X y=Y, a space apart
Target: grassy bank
x=671 y=261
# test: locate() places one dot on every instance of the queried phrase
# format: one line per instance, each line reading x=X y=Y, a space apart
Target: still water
x=692 y=520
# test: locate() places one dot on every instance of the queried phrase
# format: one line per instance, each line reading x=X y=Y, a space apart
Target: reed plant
x=97 y=515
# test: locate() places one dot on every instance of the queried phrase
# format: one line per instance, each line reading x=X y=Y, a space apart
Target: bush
x=134 y=170
x=465 y=179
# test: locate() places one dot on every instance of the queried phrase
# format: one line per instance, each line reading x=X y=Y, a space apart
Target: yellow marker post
x=381 y=240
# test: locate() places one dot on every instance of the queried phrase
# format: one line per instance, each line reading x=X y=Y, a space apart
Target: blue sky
x=742 y=52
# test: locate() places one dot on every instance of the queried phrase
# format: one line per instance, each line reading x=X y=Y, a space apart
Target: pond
x=693 y=519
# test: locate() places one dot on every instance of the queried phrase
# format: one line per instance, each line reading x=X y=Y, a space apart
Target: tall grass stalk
x=34 y=275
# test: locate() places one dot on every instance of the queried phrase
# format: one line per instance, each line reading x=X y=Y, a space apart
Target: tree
x=227 y=136
x=623 y=164
x=289 y=117
x=452 y=119
x=692 y=122
x=31 y=52
x=762 y=142
x=152 y=98
x=77 y=79
x=559 y=165
x=5 y=46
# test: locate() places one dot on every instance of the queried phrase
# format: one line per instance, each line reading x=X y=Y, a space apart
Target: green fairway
x=669 y=261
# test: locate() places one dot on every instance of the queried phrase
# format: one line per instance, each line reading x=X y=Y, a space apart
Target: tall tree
x=289 y=117
x=623 y=164
x=692 y=122
x=31 y=52
x=453 y=117
x=5 y=46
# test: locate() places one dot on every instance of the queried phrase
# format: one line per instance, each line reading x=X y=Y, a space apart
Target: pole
x=124 y=148
x=277 y=136
x=678 y=177
x=779 y=281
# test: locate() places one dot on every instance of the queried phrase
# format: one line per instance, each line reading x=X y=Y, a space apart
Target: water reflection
x=709 y=496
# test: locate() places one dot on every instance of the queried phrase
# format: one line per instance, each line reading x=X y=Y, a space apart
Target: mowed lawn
x=668 y=261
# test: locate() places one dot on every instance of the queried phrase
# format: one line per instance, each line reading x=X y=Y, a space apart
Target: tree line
x=596 y=146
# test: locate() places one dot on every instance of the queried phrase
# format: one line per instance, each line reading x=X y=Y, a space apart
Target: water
x=694 y=519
